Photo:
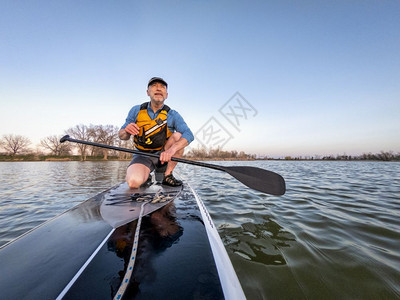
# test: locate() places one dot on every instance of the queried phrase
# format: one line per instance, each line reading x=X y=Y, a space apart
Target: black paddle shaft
x=256 y=178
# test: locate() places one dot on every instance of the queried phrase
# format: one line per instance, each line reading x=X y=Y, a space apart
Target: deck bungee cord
x=129 y=270
x=132 y=259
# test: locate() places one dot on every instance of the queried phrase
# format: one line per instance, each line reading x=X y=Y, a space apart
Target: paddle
x=256 y=178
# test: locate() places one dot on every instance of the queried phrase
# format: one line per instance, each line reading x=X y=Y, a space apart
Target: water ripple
x=33 y=192
x=333 y=235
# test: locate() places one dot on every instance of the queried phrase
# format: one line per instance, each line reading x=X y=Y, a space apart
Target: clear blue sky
x=320 y=77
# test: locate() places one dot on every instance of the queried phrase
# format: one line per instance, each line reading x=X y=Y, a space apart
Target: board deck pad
x=122 y=204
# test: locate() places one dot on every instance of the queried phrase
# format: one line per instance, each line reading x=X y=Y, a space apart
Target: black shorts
x=153 y=163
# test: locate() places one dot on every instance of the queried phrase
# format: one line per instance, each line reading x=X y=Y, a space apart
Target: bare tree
x=104 y=134
x=80 y=132
x=129 y=144
x=53 y=144
x=15 y=143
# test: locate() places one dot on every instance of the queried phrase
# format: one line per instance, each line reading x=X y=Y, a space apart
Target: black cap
x=157 y=79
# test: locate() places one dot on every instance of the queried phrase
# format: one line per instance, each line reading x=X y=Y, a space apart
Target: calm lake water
x=335 y=234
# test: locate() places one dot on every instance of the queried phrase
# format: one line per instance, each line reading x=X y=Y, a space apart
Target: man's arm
x=175 y=148
x=180 y=125
x=123 y=135
x=180 y=144
x=130 y=129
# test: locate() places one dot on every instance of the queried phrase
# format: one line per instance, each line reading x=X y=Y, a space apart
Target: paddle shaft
x=256 y=178
x=177 y=159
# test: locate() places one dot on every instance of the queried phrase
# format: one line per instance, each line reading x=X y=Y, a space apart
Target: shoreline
x=34 y=158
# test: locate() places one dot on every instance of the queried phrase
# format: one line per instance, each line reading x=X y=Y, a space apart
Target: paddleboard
x=84 y=253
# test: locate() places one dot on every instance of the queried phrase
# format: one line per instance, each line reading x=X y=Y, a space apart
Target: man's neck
x=156 y=106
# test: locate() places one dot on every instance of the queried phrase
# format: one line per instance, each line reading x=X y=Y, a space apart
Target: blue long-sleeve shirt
x=175 y=121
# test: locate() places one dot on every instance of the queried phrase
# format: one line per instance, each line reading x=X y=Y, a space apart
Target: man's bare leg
x=173 y=139
x=136 y=175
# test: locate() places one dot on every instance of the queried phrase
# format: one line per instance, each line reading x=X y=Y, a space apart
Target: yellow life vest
x=153 y=134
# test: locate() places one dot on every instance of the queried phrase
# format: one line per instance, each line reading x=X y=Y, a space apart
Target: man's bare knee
x=136 y=175
x=133 y=183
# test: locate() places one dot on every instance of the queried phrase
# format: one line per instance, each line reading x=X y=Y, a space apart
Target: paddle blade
x=259 y=179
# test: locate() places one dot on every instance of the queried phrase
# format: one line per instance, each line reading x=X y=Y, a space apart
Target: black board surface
x=174 y=259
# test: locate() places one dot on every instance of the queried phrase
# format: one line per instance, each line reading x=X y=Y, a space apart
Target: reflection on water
x=258 y=242
x=334 y=234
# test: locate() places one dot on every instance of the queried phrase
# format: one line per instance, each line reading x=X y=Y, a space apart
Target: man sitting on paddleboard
x=158 y=129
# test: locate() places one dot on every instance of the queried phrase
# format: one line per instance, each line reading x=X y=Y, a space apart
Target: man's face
x=157 y=92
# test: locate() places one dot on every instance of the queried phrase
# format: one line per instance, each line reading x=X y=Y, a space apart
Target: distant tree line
x=382 y=156
x=209 y=153
x=13 y=145
x=105 y=134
